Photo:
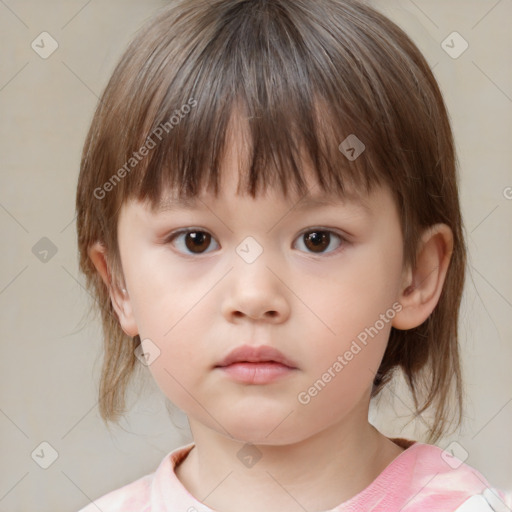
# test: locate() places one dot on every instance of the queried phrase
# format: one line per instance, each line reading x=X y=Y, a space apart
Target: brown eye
x=192 y=241
x=317 y=241
x=197 y=241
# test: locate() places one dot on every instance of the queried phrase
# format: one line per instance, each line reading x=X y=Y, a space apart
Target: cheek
x=355 y=310
x=353 y=295
x=166 y=294
x=339 y=380
x=180 y=364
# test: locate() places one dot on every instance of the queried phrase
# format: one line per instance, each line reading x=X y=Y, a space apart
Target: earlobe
x=422 y=286
x=119 y=296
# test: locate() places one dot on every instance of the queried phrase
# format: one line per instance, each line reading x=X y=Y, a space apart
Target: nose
x=257 y=292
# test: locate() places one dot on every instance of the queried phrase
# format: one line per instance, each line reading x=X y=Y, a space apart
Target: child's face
x=310 y=298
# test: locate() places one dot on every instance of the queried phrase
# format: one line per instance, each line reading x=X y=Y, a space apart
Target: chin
x=265 y=430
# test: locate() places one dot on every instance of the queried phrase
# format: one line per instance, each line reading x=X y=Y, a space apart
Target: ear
x=118 y=295
x=422 y=286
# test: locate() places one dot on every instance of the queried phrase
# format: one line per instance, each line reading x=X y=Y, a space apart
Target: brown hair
x=306 y=75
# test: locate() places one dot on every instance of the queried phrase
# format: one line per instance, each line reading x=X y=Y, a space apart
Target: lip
x=261 y=354
x=256 y=365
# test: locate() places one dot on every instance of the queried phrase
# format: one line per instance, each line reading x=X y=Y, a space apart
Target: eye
x=194 y=240
x=318 y=240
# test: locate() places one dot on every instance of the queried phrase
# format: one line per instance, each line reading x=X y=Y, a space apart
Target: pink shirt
x=422 y=478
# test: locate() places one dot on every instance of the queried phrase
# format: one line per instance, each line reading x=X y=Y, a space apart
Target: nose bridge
x=255 y=289
x=251 y=266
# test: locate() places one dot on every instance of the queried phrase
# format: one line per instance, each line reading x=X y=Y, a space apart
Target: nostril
x=271 y=314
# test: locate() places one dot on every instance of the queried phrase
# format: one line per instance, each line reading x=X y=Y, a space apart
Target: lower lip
x=256 y=373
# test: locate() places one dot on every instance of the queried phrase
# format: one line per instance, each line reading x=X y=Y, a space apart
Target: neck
x=315 y=474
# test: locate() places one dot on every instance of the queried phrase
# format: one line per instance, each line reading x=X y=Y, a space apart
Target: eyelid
x=345 y=239
x=168 y=239
x=342 y=234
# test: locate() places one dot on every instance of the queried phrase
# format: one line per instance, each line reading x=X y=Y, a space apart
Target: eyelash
x=342 y=239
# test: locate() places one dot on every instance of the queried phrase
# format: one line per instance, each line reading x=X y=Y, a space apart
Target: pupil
x=318 y=239
x=198 y=240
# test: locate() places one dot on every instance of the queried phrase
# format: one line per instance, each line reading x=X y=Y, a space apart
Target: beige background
x=51 y=359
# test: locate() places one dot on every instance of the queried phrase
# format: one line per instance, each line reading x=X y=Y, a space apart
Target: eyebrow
x=310 y=202
x=179 y=203
x=305 y=203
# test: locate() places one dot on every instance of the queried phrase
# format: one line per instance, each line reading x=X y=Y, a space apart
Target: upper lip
x=260 y=354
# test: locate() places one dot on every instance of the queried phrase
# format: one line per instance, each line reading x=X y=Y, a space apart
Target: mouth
x=256 y=365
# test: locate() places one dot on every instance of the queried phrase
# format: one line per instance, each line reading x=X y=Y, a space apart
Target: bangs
x=268 y=72
x=276 y=148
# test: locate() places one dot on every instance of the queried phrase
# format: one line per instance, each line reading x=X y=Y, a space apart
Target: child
x=268 y=216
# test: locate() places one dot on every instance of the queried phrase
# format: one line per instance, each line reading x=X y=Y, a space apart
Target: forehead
x=234 y=181
x=172 y=202
x=249 y=154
